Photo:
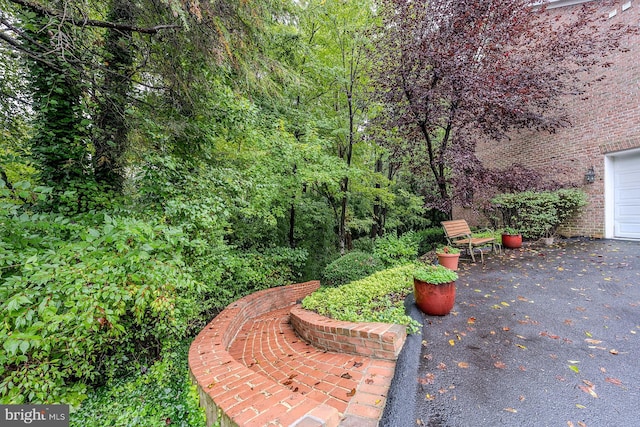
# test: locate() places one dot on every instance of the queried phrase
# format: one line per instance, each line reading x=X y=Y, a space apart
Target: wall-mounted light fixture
x=590 y=176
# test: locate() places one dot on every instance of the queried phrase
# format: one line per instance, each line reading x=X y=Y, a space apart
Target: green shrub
x=537 y=214
x=246 y=272
x=429 y=238
x=364 y=244
x=352 y=266
x=393 y=250
x=376 y=298
x=82 y=298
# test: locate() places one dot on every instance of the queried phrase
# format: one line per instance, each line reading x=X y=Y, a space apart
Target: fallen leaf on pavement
x=588 y=388
x=614 y=381
x=500 y=365
x=463 y=365
x=511 y=410
x=428 y=379
x=613 y=351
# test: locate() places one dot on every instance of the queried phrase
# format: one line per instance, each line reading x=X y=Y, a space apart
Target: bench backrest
x=456 y=228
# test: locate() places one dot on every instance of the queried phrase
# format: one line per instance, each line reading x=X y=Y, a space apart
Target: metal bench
x=459 y=234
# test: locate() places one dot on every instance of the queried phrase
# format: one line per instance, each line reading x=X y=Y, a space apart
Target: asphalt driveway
x=541 y=336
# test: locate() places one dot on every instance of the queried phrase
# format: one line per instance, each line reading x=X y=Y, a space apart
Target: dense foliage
x=161 y=394
x=535 y=214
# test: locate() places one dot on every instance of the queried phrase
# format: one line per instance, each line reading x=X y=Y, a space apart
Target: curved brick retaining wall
x=376 y=340
x=243 y=397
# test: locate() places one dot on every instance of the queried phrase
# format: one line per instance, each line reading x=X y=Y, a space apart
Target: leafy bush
x=393 y=250
x=376 y=298
x=80 y=298
x=429 y=238
x=364 y=244
x=351 y=266
x=246 y=272
x=537 y=214
x=161 y=394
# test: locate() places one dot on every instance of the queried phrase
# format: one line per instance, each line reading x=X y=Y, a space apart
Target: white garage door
x=626 y=175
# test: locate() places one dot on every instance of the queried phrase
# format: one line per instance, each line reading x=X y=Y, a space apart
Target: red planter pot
x=512 y=241
x=434 y=300
x=449 y=260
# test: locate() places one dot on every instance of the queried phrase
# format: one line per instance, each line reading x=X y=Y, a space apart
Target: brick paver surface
x=356 y=386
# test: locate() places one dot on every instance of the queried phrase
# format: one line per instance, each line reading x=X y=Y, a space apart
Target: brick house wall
x=607 y=121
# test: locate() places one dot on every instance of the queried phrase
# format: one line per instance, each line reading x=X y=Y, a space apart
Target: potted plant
x=511 y=238
x=448 y=256
x=434 y=289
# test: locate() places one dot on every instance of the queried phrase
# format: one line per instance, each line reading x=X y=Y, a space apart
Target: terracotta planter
x=449 y=260
x=434 y=300
x=512 y=241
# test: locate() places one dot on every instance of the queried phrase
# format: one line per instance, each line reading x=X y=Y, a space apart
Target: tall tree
x=114 y=96
x=345 y=37
x=451 y=72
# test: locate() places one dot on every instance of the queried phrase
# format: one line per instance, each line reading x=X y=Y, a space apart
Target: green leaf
x=11 y=346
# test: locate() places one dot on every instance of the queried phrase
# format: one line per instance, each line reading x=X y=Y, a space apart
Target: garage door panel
x=629 y=229
x=628 y=180
x=627 y=195
x=628 y=212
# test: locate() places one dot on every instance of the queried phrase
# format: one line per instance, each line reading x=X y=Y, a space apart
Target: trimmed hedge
x=349 y=267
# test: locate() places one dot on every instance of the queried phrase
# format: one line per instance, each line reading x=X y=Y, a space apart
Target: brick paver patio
x=356 y=386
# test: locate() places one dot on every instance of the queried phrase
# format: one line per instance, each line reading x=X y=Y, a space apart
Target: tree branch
x=29 y=53
x=92 y=22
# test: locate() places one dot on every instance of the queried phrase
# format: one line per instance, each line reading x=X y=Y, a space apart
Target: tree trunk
x=377 y=229
x=292 y=215
x=110 y=141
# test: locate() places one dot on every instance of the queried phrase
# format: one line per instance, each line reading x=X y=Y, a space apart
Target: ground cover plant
x=150 y=396
x=376 y=298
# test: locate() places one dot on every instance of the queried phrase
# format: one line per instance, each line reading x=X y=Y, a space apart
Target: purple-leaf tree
x=451 y=72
